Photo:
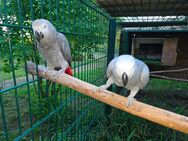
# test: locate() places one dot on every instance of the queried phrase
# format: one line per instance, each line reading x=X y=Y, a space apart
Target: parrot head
x=122 y=71
x=43 y=30
x=124 y=78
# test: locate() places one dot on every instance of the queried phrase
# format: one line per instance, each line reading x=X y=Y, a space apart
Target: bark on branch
x=169 y=71
x=168 y=78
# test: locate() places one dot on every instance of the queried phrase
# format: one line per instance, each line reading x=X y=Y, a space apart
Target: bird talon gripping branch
x=130 y=101
x=59 y=73
x=44 y=72
x=97 y=90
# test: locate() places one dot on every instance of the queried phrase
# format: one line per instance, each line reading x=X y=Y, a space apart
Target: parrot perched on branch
x=53 y=46
x=129 y=72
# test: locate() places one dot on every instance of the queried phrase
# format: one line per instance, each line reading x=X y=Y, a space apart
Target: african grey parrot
x=53 y=46
x=129 y=72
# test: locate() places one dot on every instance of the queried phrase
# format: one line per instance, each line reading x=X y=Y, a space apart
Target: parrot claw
x=44 y=72
x=130 y=101
x=60 y=72
x=99 y=89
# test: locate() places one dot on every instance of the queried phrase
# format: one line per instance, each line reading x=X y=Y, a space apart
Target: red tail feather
x=69 y=71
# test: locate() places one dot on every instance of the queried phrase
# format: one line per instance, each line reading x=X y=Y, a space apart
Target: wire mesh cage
x=32 y=108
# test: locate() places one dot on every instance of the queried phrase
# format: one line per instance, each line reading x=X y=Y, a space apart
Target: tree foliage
x=85 y=28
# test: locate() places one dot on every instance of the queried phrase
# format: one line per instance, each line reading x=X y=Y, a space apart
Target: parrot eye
x=44 y=26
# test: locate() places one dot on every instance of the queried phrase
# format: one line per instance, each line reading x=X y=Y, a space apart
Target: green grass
x=125 y=127
x=158 y=84
x=19 y=72
x=7 y=76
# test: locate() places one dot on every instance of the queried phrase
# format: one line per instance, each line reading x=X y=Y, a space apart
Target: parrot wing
x=144 y=76
x=65 y=48
x=110 y=67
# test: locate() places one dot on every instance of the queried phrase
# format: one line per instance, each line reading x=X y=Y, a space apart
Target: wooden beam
x=152 y=24
x=168 y=78
x=144 y=8
x=169 y=71
x=151 y=113
x=116 y=13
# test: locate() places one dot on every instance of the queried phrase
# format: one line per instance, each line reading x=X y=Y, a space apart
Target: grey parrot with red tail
x=53 y=45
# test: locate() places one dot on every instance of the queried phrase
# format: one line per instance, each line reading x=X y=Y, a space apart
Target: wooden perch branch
x=169 y=71
x=151 y=113
x=169 y=78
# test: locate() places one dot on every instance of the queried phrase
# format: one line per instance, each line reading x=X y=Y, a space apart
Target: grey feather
x=110 y=67
x=64 y=47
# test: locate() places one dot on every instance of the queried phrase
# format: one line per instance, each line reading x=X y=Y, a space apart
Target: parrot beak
x=124 y=79
x=38 y=36
x=57 y=68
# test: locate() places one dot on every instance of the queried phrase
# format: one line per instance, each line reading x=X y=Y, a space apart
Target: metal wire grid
x=30 y=110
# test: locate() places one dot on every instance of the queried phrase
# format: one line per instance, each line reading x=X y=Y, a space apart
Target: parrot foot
x=44 y=72
x=59 y=73
x=99 y=89
x=130 y=101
